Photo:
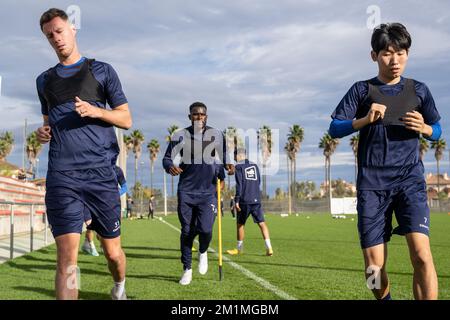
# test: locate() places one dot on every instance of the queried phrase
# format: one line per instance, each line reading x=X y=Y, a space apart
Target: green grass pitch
x=315 y=258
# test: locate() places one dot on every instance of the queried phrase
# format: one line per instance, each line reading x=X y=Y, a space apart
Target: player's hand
x=44 y=134
x=230 y=169
x=376 y=112
x=237 y=207
x=174 y=171
x=414 y=121
x=85 y=109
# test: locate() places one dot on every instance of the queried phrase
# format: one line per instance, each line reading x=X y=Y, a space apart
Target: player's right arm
x=168 y=162
x=44 y=133
x=376 y=112
x=344 y=122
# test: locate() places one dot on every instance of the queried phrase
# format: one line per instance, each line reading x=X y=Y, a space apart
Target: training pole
x=219 y=217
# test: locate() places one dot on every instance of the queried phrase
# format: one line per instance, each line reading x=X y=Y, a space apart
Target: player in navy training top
x=248 y=201
x=391 y=112
x=202 y=152
x=81 y=180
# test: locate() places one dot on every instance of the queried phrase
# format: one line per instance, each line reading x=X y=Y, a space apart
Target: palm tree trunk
x=326 y=177
x=295 y=173
x=294 y=193
x=438 y=179
x=329 y=180
x=289 y=186
x=330 y=191
x=135 y=169
x=151 y=175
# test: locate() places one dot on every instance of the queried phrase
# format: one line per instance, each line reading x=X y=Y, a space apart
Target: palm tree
x=354 y=140
x=128 y=144
x=295 y=137
x=439 y=147
x=288 y=148
x=137 y=138
x=265 y=145
x=33 y=149
x=328 y=145
x=153 y=149
x=423 y=147
x=171 y=131
x=6 y=144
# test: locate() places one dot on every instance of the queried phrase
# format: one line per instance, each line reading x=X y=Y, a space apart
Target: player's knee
x=421 y=258
x=113 y=256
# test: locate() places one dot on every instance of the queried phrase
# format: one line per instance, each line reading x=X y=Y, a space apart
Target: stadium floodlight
x=219 y=222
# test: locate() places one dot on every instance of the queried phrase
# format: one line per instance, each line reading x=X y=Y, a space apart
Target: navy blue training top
x=248 y=180
x=198 y=177
x=82 y=143
x=385 y=168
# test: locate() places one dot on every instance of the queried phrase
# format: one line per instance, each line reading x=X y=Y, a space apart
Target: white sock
x=92 y=244
x=268 y=245
x=240 y=244
x=120 y=287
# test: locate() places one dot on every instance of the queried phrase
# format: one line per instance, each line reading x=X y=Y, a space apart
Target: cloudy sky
x=254 y=63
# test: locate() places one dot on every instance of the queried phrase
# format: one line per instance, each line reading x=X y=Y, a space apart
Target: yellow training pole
x=219 y=217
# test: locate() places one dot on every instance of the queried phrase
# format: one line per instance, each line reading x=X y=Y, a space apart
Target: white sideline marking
x=251 y=275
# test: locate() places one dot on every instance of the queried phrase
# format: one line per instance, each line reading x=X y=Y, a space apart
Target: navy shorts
x=196 y=212
x=375 y=210
x=76 y=196
x=250 y=209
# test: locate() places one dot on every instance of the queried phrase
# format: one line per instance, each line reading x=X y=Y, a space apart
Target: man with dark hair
x=202 y=150
x=391 y=112
x=248 y=201
x=81 y=180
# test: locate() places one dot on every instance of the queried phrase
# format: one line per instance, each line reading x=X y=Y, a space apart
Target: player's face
x=198 y=117
x=61 y=36
x=391 y=63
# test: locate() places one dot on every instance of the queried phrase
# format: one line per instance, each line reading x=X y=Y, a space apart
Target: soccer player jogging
x=248 y=201
x=391 y=112
x=202 y=150
x=81 y=181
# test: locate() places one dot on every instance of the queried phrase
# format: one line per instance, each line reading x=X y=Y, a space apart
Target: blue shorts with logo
x=76 y=196
x=375 y=209
x=196 y=212
x=254 y=209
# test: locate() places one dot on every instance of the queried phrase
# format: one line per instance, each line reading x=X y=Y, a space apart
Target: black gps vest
x=59 y=90
x=396 y=106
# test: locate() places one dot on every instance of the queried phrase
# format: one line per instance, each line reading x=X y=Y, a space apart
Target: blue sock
x=387 y=297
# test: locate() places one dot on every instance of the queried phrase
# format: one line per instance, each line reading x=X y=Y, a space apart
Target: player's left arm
x=120 y=116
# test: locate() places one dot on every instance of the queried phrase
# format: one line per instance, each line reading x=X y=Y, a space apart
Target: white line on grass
x=264 y=283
